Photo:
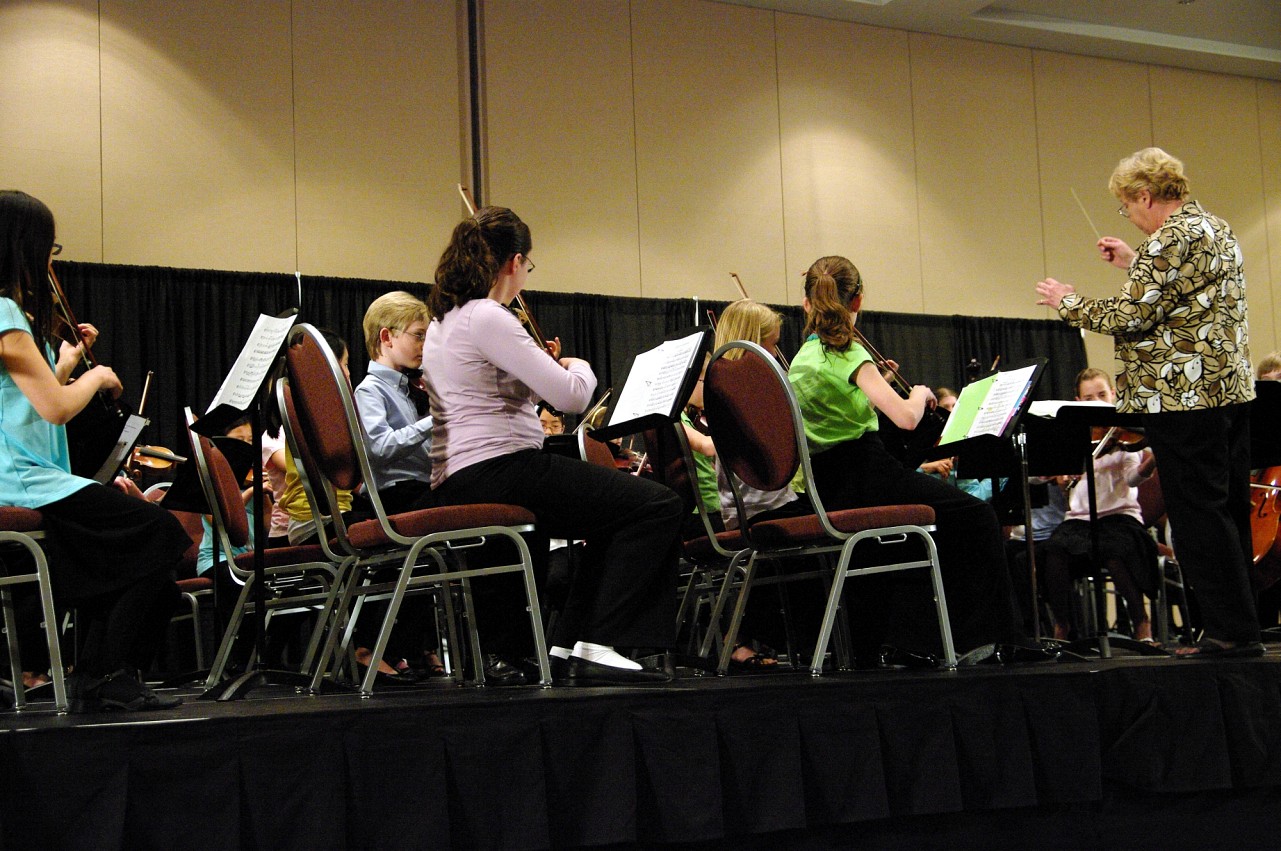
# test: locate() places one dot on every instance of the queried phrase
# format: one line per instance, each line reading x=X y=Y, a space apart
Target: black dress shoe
x=500 y=673
x=119 y=690
x=583 y=672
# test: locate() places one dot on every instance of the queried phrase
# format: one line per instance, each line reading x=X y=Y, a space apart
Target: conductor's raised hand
x=1115 y=251
x=1051 y=292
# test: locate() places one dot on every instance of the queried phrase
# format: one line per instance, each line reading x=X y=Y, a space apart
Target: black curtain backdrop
x=188 y=325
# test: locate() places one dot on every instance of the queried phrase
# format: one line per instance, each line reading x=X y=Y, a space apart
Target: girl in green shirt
x=839 y=388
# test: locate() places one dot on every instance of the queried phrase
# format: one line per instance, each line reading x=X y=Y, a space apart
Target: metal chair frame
x=295 y=582
x=29 y=540
x=437 y=551
x=834 y=541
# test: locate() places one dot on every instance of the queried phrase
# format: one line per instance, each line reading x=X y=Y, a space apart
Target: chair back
x=667 y=450
x=326 y=434
x=756 y=422
x=1151 y=500
x=222 y=492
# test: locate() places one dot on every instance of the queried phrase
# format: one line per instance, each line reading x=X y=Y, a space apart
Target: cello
x=1265 y=521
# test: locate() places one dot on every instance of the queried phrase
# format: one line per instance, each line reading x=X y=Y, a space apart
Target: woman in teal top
x=839 y=388
x=111 y=555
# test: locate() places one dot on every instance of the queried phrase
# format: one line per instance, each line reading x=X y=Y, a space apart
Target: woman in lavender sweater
x=484 y=376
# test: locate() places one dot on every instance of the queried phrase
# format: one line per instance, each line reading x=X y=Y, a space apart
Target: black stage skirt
x=1120 y=537
x=102 y=540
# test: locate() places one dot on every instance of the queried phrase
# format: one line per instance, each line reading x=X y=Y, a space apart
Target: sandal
x=432 y=666
x=1208 y=648
x=755 y=663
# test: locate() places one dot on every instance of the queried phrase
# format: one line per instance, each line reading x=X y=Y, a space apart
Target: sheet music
x=1001 y=402
x=988 y=405
x=256 y=359
x=655 y=379
x=120 y=452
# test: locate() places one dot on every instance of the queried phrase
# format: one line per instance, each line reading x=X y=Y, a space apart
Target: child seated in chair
x=1127 y=551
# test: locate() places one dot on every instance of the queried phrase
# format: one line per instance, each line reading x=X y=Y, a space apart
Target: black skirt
x=102 y=540
x=1120 y=537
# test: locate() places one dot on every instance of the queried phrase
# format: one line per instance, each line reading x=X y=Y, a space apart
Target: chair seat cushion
x=369 y=534
x=195 y=584
x=701 y=548
x=796 y=531
x=13 y=519
x=282 y=556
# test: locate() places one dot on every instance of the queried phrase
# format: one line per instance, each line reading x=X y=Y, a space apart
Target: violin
x=92 y=433
x=1106 y=439
x=521 y=309
x=909 y=447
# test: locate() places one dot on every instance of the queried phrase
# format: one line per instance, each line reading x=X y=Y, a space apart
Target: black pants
x=1203 y=458
x=113 y=557
x=624 y=593
x=861 y=473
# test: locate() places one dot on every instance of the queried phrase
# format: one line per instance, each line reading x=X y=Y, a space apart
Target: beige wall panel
x=49 y=103
x=1211 y=122
x=377 y=127
x=197 y=135
x=561 y=139
x=849 y=172
x=707 y=144
x=977 y=182
x=1265 y=322
x=1079 y=144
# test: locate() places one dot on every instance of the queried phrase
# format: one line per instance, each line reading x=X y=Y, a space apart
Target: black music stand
x=1076 y=422
x=263 y=359
x=991 y=456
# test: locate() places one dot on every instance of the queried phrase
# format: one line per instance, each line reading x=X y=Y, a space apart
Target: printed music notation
x=241 y=386
x=655 y=380
x=987 y=405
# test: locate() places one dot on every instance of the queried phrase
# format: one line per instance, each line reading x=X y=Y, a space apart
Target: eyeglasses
x=57 y=249
x=1123 y=211
x=420 y=336
x=529 y=265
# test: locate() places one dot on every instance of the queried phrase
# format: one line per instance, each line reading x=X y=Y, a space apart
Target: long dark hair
x=477 y=250
x=830 y=285
x=26 y=238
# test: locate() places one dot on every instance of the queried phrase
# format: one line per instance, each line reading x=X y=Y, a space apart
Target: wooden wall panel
x=197 y=135
x=849 y=166
x=377 y=111
x=1079 y=144
x=561 y=138
x=707 y=150
x=1265 y=325
x=49 y=103
x=977 y=181
x=1211 y=122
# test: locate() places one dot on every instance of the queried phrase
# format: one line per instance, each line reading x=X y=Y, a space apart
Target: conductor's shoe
x=500 y=673
x=583 y=672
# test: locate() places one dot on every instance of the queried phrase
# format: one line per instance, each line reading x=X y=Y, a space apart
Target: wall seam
x=293 y=132
x=916 y=174
x=102 y=162
x=782 y=187
x=1263 y=189
x=631 y=59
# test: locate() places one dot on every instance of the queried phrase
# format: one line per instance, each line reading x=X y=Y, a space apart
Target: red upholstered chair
x=760 y=438
x=398 y=553
x=294 y=579
x=707 y=556
x=21 y=527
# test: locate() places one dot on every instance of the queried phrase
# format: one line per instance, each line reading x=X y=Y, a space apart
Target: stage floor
x=1130 y=752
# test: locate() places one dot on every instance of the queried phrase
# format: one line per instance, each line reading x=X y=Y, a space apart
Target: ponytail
x=477 y=250
x=830 y=285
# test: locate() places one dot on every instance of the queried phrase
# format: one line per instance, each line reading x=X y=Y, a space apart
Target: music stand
x=246 y=391
x=1079 y=420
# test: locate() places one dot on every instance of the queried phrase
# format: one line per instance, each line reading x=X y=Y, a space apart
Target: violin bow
x=526 y=316
x=738 y=282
